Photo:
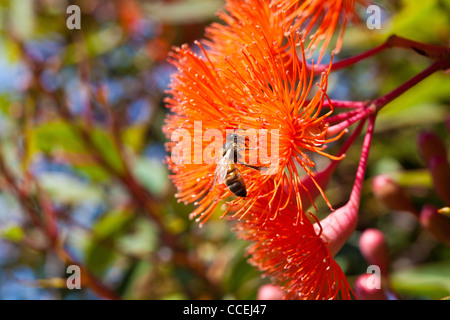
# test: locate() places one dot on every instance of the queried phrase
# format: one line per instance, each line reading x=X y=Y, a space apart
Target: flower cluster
x=252 y=73
x=247 y=75
x=319 y=19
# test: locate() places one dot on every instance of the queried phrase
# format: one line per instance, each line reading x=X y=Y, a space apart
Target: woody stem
x=427 y=50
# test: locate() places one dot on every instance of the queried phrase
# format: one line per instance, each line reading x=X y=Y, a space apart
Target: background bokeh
x=80 y=127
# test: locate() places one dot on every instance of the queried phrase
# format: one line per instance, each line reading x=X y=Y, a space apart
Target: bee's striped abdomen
x=235 y=182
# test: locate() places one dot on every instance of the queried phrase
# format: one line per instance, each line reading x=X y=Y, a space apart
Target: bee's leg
x=252 y=167
x=242 y=145
x=240 y=154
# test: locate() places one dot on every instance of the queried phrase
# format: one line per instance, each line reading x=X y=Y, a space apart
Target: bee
x=227 y=171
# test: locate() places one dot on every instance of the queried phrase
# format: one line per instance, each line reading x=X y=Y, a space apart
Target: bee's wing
x=222 y=168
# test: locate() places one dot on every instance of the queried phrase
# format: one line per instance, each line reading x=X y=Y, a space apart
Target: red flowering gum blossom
x=252 y=90
x=293 y=255
x=318 y=20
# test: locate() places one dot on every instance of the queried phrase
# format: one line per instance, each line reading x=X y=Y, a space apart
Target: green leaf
x=54 y=136
x=68 y=189
x=182 y=12
x=133 y=286
x=100 y=252
x=104 y=142
x=413 y=178
x=50 y=283
x=99 y=258
x=152 y=174
x=142 y=241
x=241 y=279
x=111 y=224
x=22 y=17
x=417 y=106
x=101 y=41
x=12 y=233
x=427 y=281
x=134 y=136
x=409 y=22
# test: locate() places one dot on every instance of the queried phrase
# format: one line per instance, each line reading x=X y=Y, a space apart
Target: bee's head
x=232 y=137
x=237 y=140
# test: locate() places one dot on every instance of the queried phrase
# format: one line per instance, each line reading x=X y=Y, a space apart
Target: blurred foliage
x=80 y=123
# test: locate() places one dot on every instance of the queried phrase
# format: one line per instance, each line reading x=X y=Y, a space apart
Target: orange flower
x=251 y=74
x=245 y=21
x=256 y=88
x=318 y=19
x=293 y=255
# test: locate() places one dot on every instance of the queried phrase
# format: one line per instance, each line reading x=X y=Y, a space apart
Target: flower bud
x=365 y=290
x=392 y=195
x=270 y=292
x=374 y=249
x=437 y=224
x=430 y=144
x=440 y=172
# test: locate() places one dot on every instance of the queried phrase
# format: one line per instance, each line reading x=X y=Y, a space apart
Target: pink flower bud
x=270 y=292
x=430 y=144
x=374 y=249
x=392 y=195
x=437 y=224
x=365 y=289
x=440 y=172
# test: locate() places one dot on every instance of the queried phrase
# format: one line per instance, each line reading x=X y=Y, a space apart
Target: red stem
x=333 y=130
x=323 y=177
x=384 y=100
x=339 y=226
x=377 y=104
x=427 y=50
x=318 y=69
x=343 y=104
x=342 y=116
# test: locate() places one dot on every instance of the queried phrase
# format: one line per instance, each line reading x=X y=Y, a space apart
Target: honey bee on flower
x=251 y=74
x=249 y=91
x=227 y=171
